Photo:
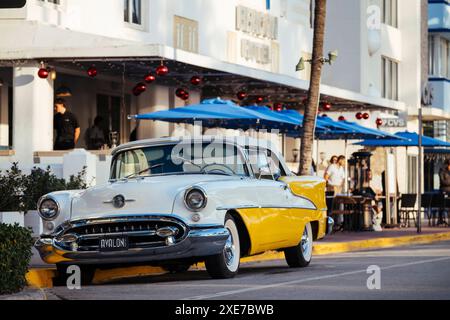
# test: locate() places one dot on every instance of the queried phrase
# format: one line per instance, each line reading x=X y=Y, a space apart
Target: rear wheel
x=300 y=255
x=226 y=264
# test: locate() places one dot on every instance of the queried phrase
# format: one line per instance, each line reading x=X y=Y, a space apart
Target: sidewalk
x=41 y=275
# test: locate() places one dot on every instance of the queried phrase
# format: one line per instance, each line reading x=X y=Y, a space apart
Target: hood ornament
x=119 y=201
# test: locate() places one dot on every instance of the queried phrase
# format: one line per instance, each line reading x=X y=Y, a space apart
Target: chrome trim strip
x=265 y=207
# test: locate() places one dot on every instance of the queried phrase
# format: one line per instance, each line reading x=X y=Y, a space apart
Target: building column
x=32 y=114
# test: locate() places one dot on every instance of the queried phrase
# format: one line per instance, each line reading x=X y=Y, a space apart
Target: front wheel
x=300 y=255
x=226 y=264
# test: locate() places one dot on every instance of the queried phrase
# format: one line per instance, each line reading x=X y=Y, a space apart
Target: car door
x=273 y=196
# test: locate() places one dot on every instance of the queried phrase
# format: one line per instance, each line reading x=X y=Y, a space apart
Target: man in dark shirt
x=66 y=126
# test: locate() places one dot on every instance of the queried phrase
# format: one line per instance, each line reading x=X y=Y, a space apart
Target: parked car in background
x=175 y=202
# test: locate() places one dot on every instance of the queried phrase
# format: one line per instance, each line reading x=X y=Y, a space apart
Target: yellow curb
x=102 y=276
x=42 y=278
x=340 y=247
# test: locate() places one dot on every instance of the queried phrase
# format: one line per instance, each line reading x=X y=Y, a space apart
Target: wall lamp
x=332 y=57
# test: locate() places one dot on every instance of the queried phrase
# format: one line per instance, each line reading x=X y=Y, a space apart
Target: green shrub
x=11 y=189
x=15 y=255
x=21 y=192
x=40 y=182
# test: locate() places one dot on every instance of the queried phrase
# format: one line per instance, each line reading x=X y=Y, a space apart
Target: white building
x=250 y=45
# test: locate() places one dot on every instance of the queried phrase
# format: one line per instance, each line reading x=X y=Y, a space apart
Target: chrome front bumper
x=199 y=242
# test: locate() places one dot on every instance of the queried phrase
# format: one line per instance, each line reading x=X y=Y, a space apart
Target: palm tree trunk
x=309 y=122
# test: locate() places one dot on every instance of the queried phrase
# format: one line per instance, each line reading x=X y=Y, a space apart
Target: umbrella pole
x=346 y=167
x=419 y=180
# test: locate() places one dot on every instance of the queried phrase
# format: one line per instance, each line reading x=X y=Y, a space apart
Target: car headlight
x=48 y=209
x=195 y=199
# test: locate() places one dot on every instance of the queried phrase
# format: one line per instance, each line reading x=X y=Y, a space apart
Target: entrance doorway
x=115 y=123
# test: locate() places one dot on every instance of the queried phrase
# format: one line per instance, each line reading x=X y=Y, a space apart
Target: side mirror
x=264 y=171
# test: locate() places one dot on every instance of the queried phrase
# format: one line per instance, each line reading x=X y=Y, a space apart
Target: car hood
x=151 y=195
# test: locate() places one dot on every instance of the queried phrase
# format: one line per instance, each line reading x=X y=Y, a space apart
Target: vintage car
x=175 y=202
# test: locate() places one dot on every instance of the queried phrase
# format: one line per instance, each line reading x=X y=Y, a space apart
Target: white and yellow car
x=174 y=202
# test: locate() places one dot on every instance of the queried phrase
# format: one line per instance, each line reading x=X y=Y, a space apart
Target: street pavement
x=413 y=272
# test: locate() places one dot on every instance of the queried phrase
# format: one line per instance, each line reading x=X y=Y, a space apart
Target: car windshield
x=183 y=158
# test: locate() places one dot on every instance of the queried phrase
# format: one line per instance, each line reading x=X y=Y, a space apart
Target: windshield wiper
x=190 y=161
x=145 y=170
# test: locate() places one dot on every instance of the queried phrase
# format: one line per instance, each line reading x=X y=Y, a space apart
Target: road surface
x=414 y=272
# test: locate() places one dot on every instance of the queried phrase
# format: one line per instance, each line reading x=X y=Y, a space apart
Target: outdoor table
x=352 y=207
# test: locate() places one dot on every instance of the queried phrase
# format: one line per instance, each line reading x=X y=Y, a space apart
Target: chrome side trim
x=265 y=207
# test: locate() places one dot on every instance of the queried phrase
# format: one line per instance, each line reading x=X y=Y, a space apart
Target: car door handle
x=284 y=187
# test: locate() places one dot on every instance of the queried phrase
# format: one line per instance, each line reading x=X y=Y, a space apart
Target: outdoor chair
x=407 y=206
x=426 y=205
x=438 y=208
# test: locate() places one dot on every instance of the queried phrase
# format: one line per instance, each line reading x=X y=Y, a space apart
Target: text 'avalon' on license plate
x=113 y=243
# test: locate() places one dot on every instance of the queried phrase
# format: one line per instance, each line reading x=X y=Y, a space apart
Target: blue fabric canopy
x=409 y=139
x=221 y=113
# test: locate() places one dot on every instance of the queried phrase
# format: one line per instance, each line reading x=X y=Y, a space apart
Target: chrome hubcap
x=305 y=243
x=229 y=251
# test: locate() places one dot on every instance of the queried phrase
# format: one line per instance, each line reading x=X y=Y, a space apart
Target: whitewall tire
x=300 y=255
x=226 y=264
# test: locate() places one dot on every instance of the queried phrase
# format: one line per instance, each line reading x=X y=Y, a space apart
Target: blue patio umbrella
x=218 y=113
x=408 y=139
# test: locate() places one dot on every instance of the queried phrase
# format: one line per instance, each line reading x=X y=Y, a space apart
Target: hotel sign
x=256 y=23
x=259 y=30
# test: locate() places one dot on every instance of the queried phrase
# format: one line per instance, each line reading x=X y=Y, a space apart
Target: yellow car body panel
x=279 y=228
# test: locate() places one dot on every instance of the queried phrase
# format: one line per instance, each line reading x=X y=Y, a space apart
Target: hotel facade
x=249 y=46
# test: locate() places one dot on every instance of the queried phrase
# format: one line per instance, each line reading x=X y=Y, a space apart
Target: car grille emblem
x=119 y=201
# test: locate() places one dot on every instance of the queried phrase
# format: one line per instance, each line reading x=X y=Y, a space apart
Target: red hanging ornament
x=359 y=116
x=259 y=99
x=139 y=88
x=196 y=80
x=180 y=92
x=278 y=107
x=241 y=95
x=162 y=70
x=324 y=116
x=43 y=73
x=341 y=118
x=92 y=72
x=326 y=106
x=379 y=122
x=366 y=116
x=185 y=96
x=149 y=78
x=136 y=92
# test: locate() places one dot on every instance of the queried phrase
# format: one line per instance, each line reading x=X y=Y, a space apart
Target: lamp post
x=419 y=180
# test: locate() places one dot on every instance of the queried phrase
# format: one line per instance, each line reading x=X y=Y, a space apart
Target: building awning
x=56 y=45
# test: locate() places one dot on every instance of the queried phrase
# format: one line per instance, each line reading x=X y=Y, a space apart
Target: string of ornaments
x=183 y=93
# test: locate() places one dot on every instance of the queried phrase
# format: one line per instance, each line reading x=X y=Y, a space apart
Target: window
x=390 y=12
x=185 y=35
x=389 y=74
x=432 y=70
x=412 y=174
x=132 y=11
x=444 y=66
x=265 y=164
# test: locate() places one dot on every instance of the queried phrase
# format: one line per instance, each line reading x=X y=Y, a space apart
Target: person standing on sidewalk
x=444 y=177
x=66 y=125
x=335 y=176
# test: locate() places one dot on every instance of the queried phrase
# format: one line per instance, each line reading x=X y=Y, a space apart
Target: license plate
x=114 y=243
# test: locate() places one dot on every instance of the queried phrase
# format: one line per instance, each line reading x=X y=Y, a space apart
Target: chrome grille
x=141 y=231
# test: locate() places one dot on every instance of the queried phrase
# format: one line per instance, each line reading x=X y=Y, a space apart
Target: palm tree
x=312 y=106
